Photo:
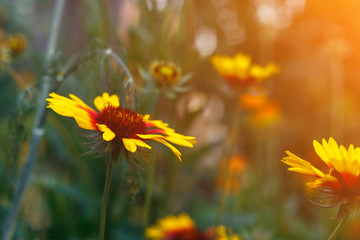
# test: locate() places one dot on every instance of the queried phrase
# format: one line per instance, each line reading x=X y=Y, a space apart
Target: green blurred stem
x=38 y=130
x=152 y=164
x=104 y=17
x=14 y=75
x=339 y=227
x=149 y=189
x=230 y=152
x=106 y=195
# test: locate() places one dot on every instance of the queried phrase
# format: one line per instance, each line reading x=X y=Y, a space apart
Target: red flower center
x=187 y=234
x=125 y=123
x=240 y=82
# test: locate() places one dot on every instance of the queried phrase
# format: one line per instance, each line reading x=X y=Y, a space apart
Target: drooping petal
x=326 y=181
x=129 y=144
x=141 y=143
x=301 y=166
x=108 y=135
x=171 y=147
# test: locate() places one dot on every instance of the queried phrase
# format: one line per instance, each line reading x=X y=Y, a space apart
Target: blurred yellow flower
x=239 y=71
x=221 y=234
x=176 y=227
x=167 y=77
x=125 y=129
x=17 y=44
x=165 y=72
x=340 y=185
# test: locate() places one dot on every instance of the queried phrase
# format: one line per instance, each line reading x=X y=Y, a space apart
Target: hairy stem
x=105 y=196
x=38 y=130
x=339 y=227
x=149 y=189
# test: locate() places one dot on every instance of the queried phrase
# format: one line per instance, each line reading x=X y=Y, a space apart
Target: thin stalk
x=130 y=79
x=105 y=197
x=14 y=75
x=38 y=130
x=152 y=164
x=104 y=17
x=339 y=227
x=230 y=152
x=149 y=190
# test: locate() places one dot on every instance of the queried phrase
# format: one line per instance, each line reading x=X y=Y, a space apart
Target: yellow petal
x=172 y=148
x=108 y=135
x=129 y=144
x=141 y=143
x=301 y=166
x=102 y=101
x=178 y=141
x=321 y=152
x=149 y=136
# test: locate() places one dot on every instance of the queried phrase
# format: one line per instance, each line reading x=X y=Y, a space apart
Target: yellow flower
x=16 y=43
x=340 y=185
x=180 y=227
x=122 y=127
x=238 y=71
x=222 y=234
x=165 y=72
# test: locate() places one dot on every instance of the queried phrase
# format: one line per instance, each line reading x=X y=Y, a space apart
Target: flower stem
x=38 y=130
x=14 y=75
x=339 y=227
x=105 y=198
x=230 y=152
x=149 y=189
x=104 y=18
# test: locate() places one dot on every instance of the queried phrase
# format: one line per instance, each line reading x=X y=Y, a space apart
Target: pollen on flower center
x=125 y=123
x=165 y=73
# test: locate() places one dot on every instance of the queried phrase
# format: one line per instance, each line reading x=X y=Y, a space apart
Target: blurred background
x=315 y=95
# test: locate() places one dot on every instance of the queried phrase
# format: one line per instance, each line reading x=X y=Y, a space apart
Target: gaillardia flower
x=341 y=183
x=222 y=234
x=180 y=227
x=17 y=44
x=167 y=77
x=238 y=71
x=165 y=72
x=122 y=128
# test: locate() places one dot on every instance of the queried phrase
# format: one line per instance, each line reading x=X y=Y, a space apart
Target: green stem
x=339 y=227
x=230 y=152
x=105 y=198
x=105 y=22
x=38 y=130
x=14 y=75
x=149 y=189
x=152 y=163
